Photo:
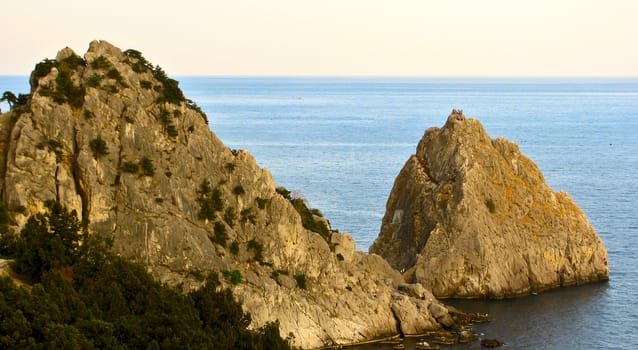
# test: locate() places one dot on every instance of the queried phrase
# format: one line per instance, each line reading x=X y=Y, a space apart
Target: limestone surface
x=472 y=217
x=111 y=136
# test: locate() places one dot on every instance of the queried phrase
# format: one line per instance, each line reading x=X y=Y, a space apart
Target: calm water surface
x=341 y=142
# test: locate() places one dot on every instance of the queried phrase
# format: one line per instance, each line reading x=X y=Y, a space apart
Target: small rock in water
x=466 y=337
x=490 y=343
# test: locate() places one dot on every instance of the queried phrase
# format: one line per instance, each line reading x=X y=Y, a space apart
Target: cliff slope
x=469 y=216
x=114 y=138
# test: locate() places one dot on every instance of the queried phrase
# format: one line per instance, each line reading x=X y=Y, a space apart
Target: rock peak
x=113 y=137
x=456 y=115
x=469 y=216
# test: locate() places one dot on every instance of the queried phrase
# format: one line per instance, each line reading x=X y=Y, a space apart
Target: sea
x=339 y=143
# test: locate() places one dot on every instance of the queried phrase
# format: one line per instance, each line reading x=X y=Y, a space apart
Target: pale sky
x=335 y=37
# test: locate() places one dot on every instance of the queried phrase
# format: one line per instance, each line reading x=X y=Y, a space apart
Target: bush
x=101 y=63
x=48 y=241
x=210 y=201
x=308 y=221
x=145 y=84
x=234 y=248
x=284 y=192
x=170 y=90
x=110 y=303
x=230 y=166
x=94 y=80
x=234 y=276
x=339 y=257
x=146 y=164
x=197 y=274
x=41 y=70
x=247 y=215
x=257 y=248
x=140 y=65
x=220 y=233
x=130 y=167
x=490 y=205
x=261 y=202
x=66 y=91
x=171 y=130
x=238 y=190
x=98 y=147
x=115 y=75
x=193 y=106
x=230 y=216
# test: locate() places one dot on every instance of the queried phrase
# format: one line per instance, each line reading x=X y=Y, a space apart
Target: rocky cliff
x=472 y=217
x=114 y=138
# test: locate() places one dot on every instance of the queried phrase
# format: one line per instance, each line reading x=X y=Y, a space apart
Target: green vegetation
x=238 y=190
x=229 y=216
x=101 y=63
x=210 y=201
x=166 y=119
x=197 y=273
x=490 y=205
x=130 y=167
x=40 y=71
x=301 y=280
x=147 y=166
x=247 y=215
x=171 y=130
x=220 y=233
x=54 y=146
x=145 y=84
x=193 y=106
x=94 y=80
x=234 y=248
x=257 y=249
x=84 y=297
x=234 y=276
x=10 y=98
x=230 y=166
x=139 y=63
x=339 y=257
x=261 y=202
x=307 y=215
x=115 y=74
x=98 y=147
x=65 y=89
x=171 y=92
x=18 y=105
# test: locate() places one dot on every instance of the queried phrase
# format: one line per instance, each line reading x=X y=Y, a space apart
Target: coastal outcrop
x=112 y=137
x=472 y=217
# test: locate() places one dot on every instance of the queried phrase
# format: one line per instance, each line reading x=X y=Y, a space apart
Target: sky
x=421 y=38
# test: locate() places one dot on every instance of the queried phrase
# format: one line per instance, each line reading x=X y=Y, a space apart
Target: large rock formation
x=471 y=217
x=115 y=139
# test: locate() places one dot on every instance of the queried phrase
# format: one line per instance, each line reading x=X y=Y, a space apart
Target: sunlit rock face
x=113 y=137
x=472 y=217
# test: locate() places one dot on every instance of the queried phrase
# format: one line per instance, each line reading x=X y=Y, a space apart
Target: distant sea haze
x=340 y=142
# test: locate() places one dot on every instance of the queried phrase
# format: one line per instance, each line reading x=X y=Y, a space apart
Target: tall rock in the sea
x=114 y=138
x=472 y=217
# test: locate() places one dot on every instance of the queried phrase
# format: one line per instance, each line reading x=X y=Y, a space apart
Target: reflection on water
x=545 y=321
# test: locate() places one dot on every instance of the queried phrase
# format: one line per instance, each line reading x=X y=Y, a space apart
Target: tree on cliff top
x=10 y=98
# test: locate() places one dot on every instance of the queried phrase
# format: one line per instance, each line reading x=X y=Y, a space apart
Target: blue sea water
x=340 y=142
